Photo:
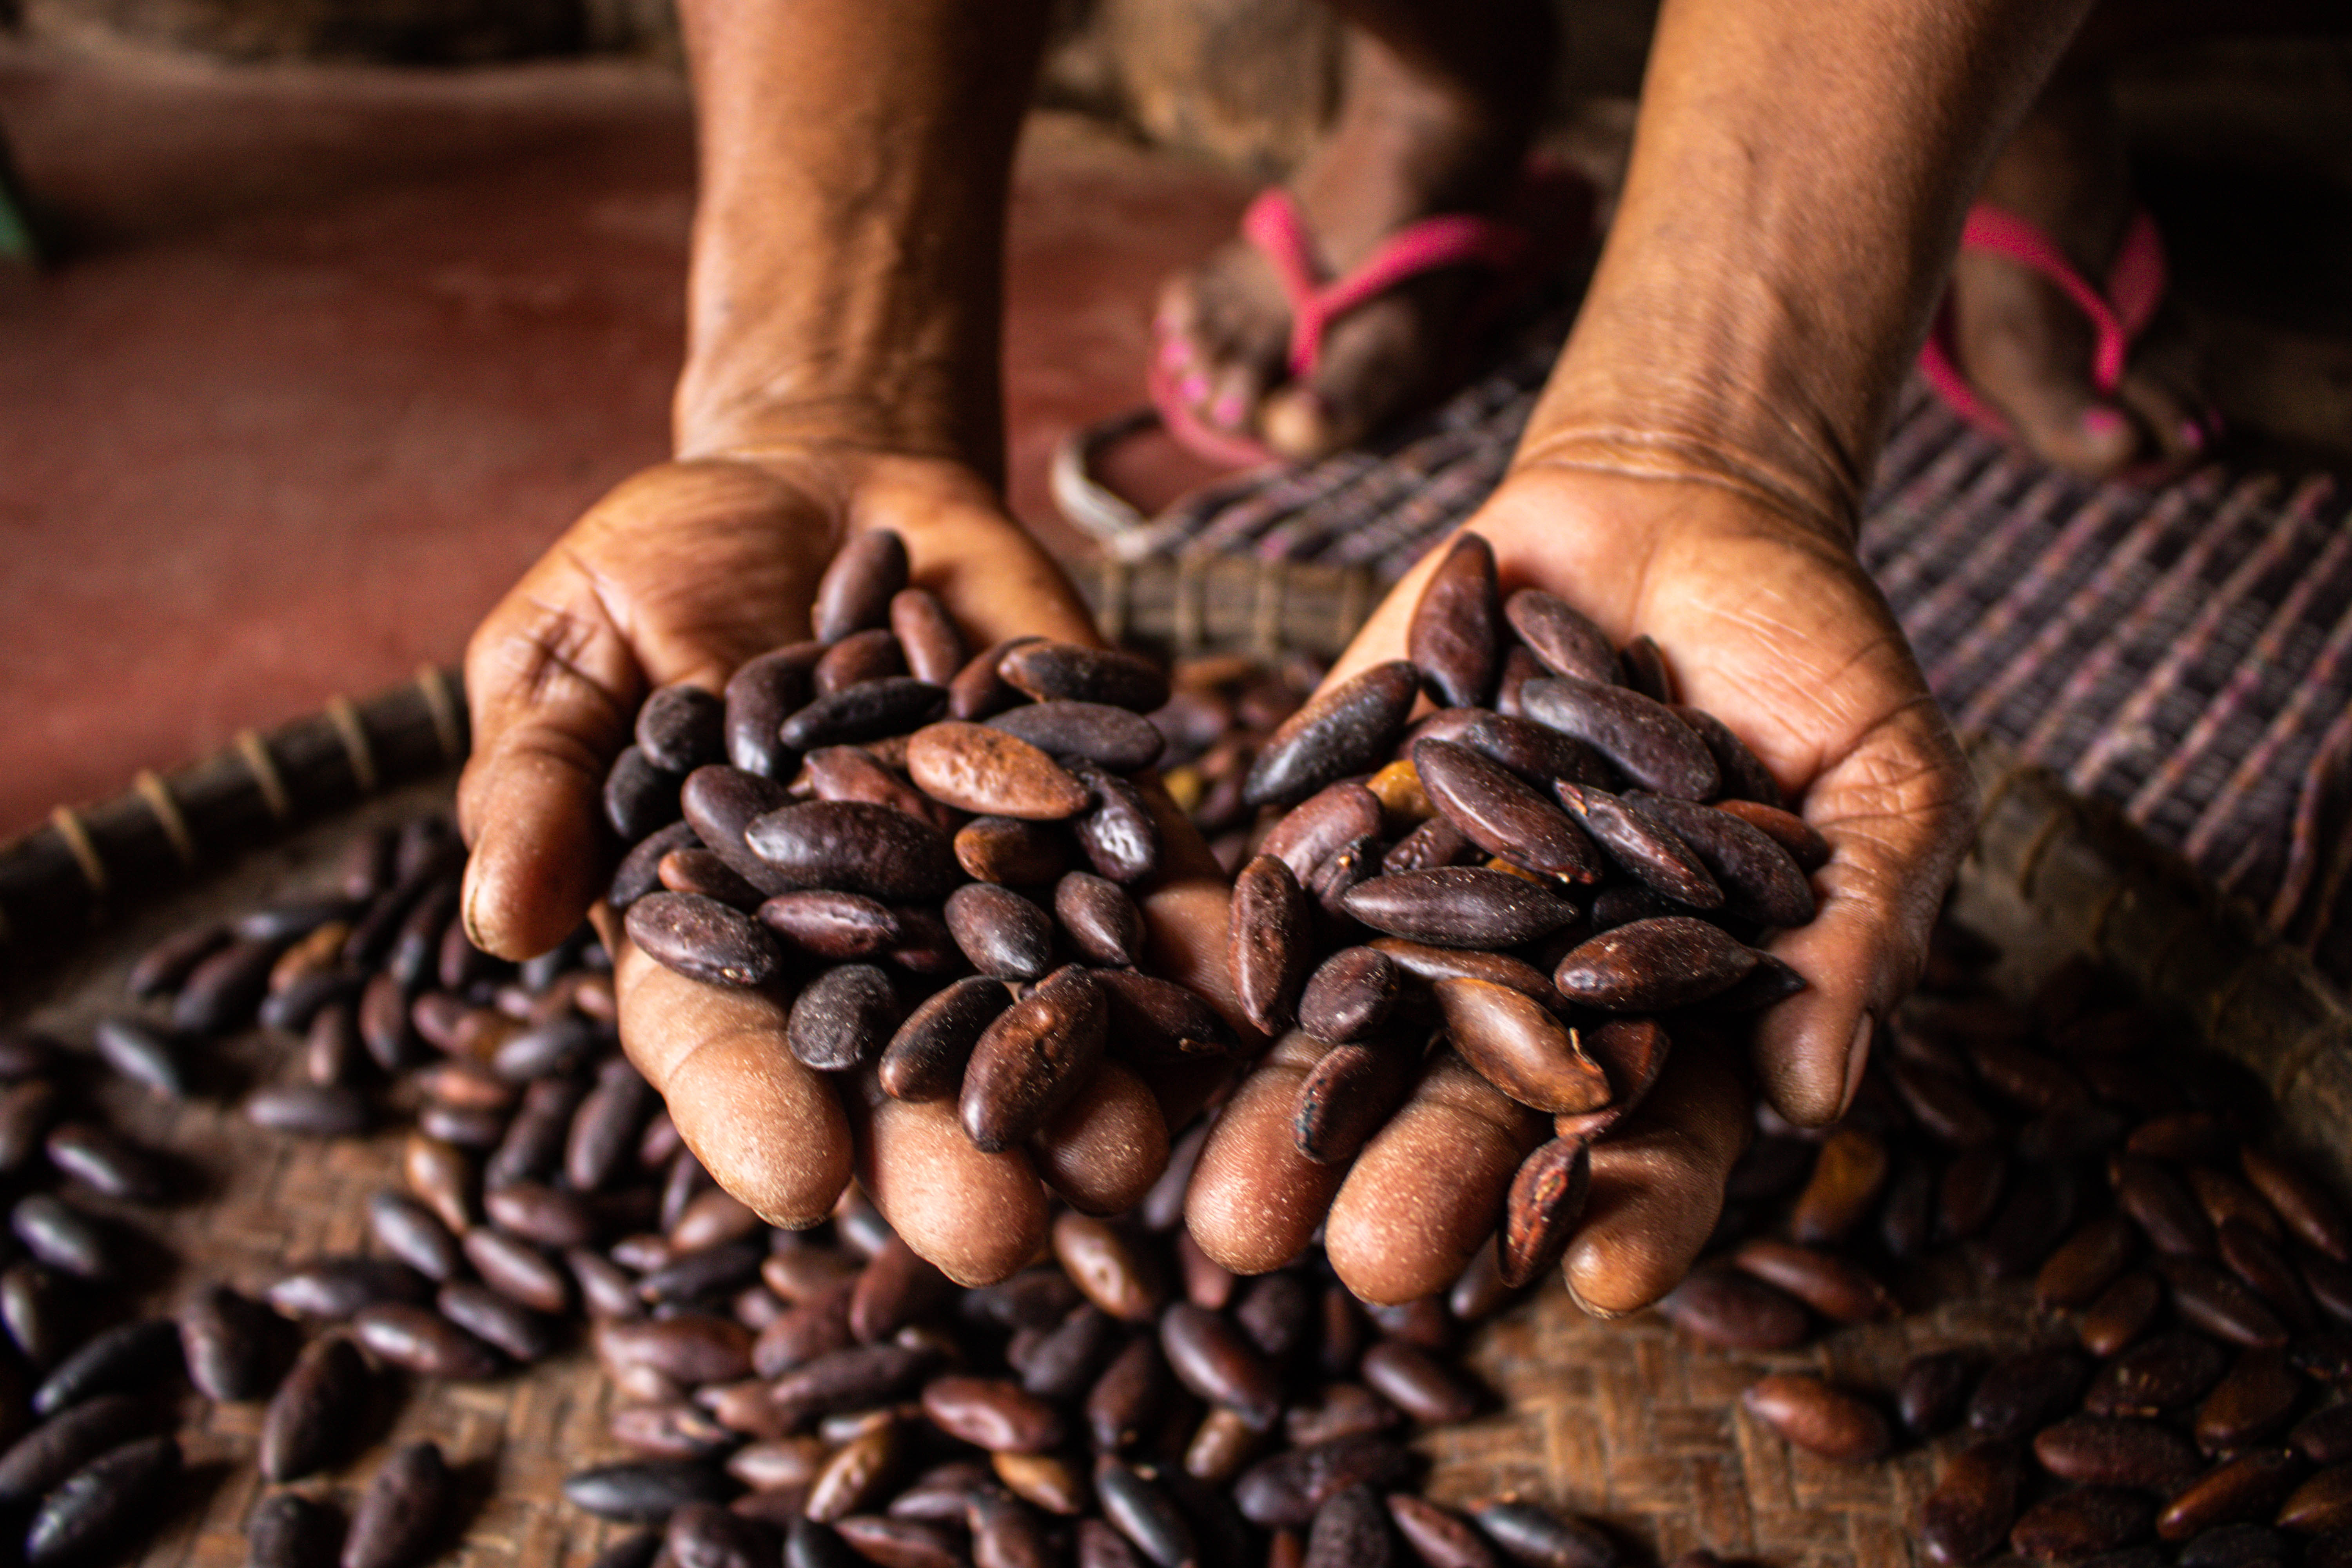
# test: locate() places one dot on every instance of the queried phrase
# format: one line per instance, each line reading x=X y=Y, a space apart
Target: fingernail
x=1857 y=1057
x=1192 y=387
x=2192 y=435
x=2102 y=423
x=1226 y=410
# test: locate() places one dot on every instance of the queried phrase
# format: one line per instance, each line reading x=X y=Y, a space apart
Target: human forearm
x=846 y=278
x=1798 y=180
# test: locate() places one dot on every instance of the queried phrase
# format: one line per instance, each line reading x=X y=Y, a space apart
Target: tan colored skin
x=1103 y=1150
x=1255 y=1200
x=1692 y=473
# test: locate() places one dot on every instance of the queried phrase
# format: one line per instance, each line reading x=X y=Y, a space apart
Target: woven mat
x=2182 y=653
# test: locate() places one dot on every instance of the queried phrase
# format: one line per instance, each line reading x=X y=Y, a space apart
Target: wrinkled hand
x=681 y=573
x=1776 y=630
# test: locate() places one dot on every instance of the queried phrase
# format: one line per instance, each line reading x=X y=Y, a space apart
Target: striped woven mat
x=2183 y=654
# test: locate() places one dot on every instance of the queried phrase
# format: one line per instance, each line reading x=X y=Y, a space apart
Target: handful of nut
x=1559 y=870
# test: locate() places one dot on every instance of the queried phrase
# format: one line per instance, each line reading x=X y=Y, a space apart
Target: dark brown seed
x=1338 y=1410
x=978 y=691
x=2121 y=1314
x=1351 y=1531
x=516 y=1270
x=1425 y=961
x=101 y=1160
x=858 y=586
x=421 y=1341
x=115 y=1497
x=1442 y=1537
x=1268 y=950
x=1021 y=854
x=1745 y=776
x=1458 y=906
x=720 y=804
x=1566 y=642
x=524 y=1334
x=925 y=1058
x=690 y=1347
x=1436 y=842
x=681 y=728
x=1031 y=1058
x=1651 y=965
x=644 y=1490
x=1814 y=1417
x=2256 y=1260
x=1932 y=1394
x=1119 y=835
x=129 y=1357
x=2021 y=1393
x=1320 y=827
x=534 y=1143
x=1346 y=729
x=1521 y=1047
x=223 y=991
x=1646 y=670
x=25 y=1111
x=1007 y=1532
x=871 y=654
x=1534 y=1535
x=1060 y=671
x=333 y=1288
x=701 y=873
x=896 y=1288
x=606 y=1127
x=1643 y=845
x=312 y=1109
x=760 y=696
x=1116 y=739
x=1759 y=879
x=2247 y=1487
x=63 y=1237
x=2308 y=1210
x=2163 y=1373
x=640 y=797
x=1837 y=1288
x=1005 y=935
x=1969 y=1193
x=1107 y=1270
x=1127 y=1396
x=286 y=1530
x=2321 y=1504
x=832 y=925
x=1967 y=1516
x=1847 y=1176
x=399 y=1518
x=536 y=1212
x=2325 y=1436
x=1102 y=922
x=1456 y=634
x=2253 y=1403
x=992 y=772
x=703 y=939
x=1417 y=1383
x=315 y=1412
x=991 y=1414
x=934 y=647
x=1540 y=756
x=1067 y=1357
x=1100 y=1546
x=2141 y=1455
x=161 y=969
x=2081 y=1524
x=856 y=847
x=853 y=772
x=144 y=1054
x=2210 y=1298
x=2162 y=1208
x=1157 y=1020
x=66 y=1441
x=1638 y=735
x=1346 y=1096
x=1497 y=810
x=1212 y=1356
x=856 y=1475
x=842 y=1018
x=230 y=1342
x=1142 y=1509
x=2076 y=1274
x=857 y=1378
x=1718 y=1307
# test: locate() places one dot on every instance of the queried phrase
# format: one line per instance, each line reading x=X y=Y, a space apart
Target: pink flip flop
x=2136 y=284
x=1276 y=225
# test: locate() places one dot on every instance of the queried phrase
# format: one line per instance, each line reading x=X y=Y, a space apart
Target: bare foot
x=2026 y=347
x=1414 y=139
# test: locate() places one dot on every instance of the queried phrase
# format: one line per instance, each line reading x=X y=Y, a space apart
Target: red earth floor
x=333 y=353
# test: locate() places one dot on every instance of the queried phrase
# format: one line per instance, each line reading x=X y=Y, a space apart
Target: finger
x=1897 y=812
x=1103 y=1150
x=766 y=1128
x=1255 y=1200
x=977 y=1218
x=1426 y=1191
x=1657 y=1185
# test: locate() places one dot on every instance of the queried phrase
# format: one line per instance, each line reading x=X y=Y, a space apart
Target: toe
x=2175 y=421
x=2026 y=347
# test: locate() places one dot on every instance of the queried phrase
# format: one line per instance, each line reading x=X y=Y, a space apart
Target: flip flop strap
x=1276 y=227
x=2135 y=281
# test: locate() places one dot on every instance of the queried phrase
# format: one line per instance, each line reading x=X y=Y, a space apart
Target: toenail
x=2192 y=435
x=1193 y=387
x=2102 y=423
x=1227 y=410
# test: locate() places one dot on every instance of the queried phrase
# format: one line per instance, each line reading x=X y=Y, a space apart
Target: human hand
x=681 y=573
x=1771 y=626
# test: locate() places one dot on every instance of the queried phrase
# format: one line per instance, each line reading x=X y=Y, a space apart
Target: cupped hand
x=682 y=573
x=1770 y=624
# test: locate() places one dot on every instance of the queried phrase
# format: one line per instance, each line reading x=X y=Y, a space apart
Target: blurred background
x=344 y=307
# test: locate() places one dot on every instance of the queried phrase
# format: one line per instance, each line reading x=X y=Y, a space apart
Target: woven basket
x=1626 y=1420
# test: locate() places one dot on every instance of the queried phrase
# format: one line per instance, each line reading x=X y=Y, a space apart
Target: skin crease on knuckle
x=1395 y=1234
x=1255 y=1200
x=1657 y=1188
